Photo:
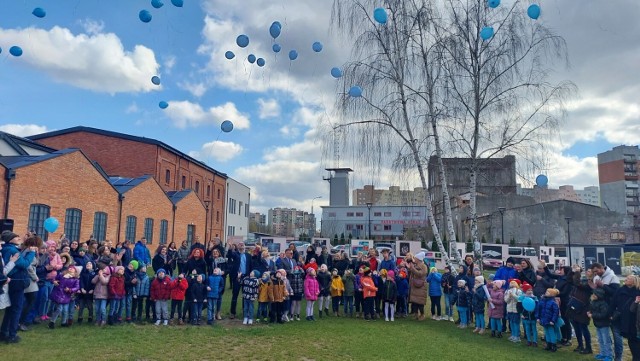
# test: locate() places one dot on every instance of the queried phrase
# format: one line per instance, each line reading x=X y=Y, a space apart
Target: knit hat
x=498 y=283
x=463 y=282
x=256 y=273
x=433 y=269
x=511 y=260
x=135 y=264
x=7 y=236
x=479 y=279
x=120 y=268
x=391 y=274
x=51 y=243
x=403 y=274
x=516 y=281
x=476 y=269
x=492 y=276
x=553 y=292
x=526 y=287
x=366 y=271
x=447 y=267
x=161 y=270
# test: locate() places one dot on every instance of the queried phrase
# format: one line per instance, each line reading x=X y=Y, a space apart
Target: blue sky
x=89 y=62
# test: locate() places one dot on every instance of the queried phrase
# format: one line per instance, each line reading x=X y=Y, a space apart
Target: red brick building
x=123 y=155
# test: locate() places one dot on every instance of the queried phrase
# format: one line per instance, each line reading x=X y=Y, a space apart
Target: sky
x=90 y=63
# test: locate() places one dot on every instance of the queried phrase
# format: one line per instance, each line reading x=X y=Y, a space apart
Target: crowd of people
x=110 y=284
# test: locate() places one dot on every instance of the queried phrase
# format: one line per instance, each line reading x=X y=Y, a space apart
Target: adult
x=505 y=273
x=126 y=253
x=161 y=260
x=623 y=315
x=19 y=280
x=288 y=263
x=218 y=261
x=565 y=286
x=387 y=262
x=468 y=261
x=325 y=258
x=577 y=310
x=294 y=251
x=172 y=254
x=265 y=263
x=605 y=278
x=417 y=285
x=543 y=282
x=73 y=248
x=311 y=253
x=196 y=263
x=526 y=273
x=31 y=292
x=217 y=244
x=141 y=253
x=183 y=257
x=197 y=245
x=435 y=293
x=341 y=263
x=239 y=267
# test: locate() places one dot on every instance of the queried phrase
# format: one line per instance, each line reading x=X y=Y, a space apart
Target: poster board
x=318 y=243
x=360 y=245
x=402 y=247
x=275 y=245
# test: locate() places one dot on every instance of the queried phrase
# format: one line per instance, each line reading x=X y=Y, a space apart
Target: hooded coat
x=418 y=284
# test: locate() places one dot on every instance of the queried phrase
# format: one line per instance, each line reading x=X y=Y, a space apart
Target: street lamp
x=206 y=220
x=501 y=210
x=568 y=219
x=369 y=204
x=313 y=225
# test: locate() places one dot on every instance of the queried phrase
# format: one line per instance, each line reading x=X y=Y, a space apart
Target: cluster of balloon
x=145 y=15
x=51 y=224
x=486 y=33
x=534 y=11
x=226 y=126
x=542 y=180
x=380 y=15
x=39 y=13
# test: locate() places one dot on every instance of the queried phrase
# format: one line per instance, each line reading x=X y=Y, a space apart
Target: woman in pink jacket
x=311 y=292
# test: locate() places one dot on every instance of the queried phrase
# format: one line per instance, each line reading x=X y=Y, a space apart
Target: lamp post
x=568 y=219
x=206 y=220
x=369 y=204
x=313 y=224
x=501 y=210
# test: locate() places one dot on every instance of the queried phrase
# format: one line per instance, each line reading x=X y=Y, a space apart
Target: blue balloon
x=336 y=72
x=242 y=41
x=15 y=50
x=145 y=16
x=355 y=91
x=226 y=126
x=157 y=4
x=493 y=3
x=276 y=48
x=486 y=33
x=0 y=50
x=163 y=104
x=39 y=12
x=275 y=29
x=251 y=58
x=260 y=62
x=380 y=15
x=317 y=46
x=229 y=55
x=155 y=80
x=534 y=11
x=51 y=224
x=293 y=55
x=177 y=3
x=542 y=180
x=529 y=304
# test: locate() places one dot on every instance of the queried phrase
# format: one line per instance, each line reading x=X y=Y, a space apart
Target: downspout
x=120 y=200
x=8 y=175
x=173 y=223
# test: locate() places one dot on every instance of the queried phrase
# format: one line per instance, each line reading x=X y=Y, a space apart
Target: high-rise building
x=393 y=196
x=618 y=176
x=290 y=222
x=589 y=195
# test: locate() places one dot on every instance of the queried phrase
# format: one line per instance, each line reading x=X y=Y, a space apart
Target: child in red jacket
x=116 y=295
x=178 y=291
x=161 y=294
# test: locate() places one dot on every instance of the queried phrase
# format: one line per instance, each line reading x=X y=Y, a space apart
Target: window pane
x=37 y=214
x=130 y=232
x=72 y=223
x=100 y=226
x=148 y=230
x=164 y=230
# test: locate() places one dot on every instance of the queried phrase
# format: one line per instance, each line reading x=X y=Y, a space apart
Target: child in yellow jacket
x=337 y=289
x=263 y=297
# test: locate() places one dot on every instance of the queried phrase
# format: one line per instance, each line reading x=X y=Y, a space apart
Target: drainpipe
x=8 y=175
x=120 y=201
x=173 y=223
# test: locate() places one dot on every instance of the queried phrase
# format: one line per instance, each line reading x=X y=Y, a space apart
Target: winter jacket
x=527 y=275
x=341 y=265
x=448 y=283
x=56 y=262
x=623 y=318
x=324 y=280
x=183 y=254
x=216 y=286
x=579 y=300
x=418 y=284
x=19 y=276
x=142 y=289
x=564 y=285
x=198 y=292
x=505 y=273
x=250 y=287
x=348 y=281
x=389 y=291
x=435 y=284
x=159 y=262
x=130 y=280
x=161 y=289
x=389 y=265
x=116 y=287
x=463 y=297
x=219 y=262
x=81 y=261
x=200 y=265
x=497 y=299
x=325 y=258
x=33 y=277
x=463 y=276
x=547 y=311
x=141 y=254
x=478 y=299
x=600 y=309
x=63 y=292
x=179 y=288
x=263 y=290
x=402 y=285
x=541 y=285
x=277 y=291
x=85 y=280
x=530 y=315
x=369 y=289
x=337 y=286
x=297 y=283
x=311 y=288
x=511 y=297
x=101 y=291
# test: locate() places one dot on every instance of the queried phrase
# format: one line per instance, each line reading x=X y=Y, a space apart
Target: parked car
x=492 y=263
x=339 y=248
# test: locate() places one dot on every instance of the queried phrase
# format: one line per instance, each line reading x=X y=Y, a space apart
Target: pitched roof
x=17 y=144
x=177 y=196
x=123 y=185
x=133 y=138
x=18 y=161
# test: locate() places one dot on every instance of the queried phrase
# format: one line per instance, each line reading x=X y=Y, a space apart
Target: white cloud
x=218 y=150
x=168 y=63
x=92 y=27
x=187 y=114
x=132 y=108
x=97 y=62
x=196 y=89
x=23 y=130
x=289 y=132
x=268 y=108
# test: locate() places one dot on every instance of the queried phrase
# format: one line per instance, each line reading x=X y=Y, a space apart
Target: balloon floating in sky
x=542 y=180
x=0 y=50
x=493 y=3
x=15 y=50
x=276 y=48
x=317 y=46
x=163 y=105
x=260 y=62
x=242 y=41
x=177 y=3
x=355 y=91
x=51 y=224
x=251 y=58
x=336 y=72
x=229 y=55
x=157 y=4
x=380 y=15
x=534 y=11
x=293 y=55
x=145 y=16
x=226 y=126
x=486 y=33
x=275 y=29
x=155 y=80
x=39 y=12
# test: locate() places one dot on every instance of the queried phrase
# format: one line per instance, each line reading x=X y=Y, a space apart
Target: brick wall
x=189 y=211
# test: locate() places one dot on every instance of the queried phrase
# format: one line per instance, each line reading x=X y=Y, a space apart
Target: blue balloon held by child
x=529 y=304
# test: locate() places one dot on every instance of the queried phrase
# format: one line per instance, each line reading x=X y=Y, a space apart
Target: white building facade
x=237 y=213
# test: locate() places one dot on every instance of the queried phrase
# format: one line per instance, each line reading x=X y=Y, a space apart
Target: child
x=402 y=285
x=389 y=295
x=337 y=289
x=496 y=312
x=160 y=295
x=379 y=280
x=287 y=299
x=547 y=314
x=249 y=295
x=178 y=293
x=65 y=285
x=324 y=280
x=435 y=293
x=358 y=292
x=463 y=301
x=599 y=312
x=448 y=285
x=130 y=281
x=85 y=296
x=277 y=294
x=529 y=318
x=140 y=294
x=311 y=292
x=511 y=297
x=214 y=295
x=264 y=285
x=199 y=295
x=348 y=282
x=478 y=299
x=116 y=294
x=369 y=290
x=101 y=293
x=297 y=285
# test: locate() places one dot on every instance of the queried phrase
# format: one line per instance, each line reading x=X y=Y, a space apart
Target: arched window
x=73 y=223
x=37 y=214
x=100 y=226
x=130 y=230
x=167 y=176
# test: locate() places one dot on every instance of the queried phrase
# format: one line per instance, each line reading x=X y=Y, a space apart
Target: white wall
x=237 y=220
